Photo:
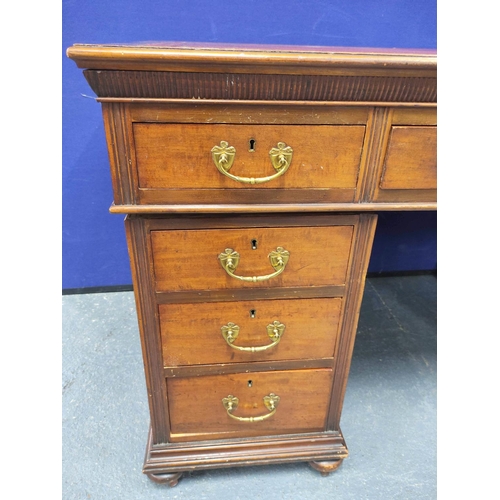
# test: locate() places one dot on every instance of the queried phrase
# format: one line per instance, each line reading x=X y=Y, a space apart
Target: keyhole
x=249 y=383
x=252 y=313
x=251 y=143
x=254 y=244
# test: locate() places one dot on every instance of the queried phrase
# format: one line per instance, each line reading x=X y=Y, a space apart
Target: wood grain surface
x=196 y=410
x=411 y=161
x=178 y=155
x=188 y=260
x=405 y=167
x=191 y=333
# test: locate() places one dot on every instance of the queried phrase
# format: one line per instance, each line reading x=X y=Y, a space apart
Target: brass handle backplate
x=229 y=260
x=231 y=331
x=223 y=157
x=271 y=401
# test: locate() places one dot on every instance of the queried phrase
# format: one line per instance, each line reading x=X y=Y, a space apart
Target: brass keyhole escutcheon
x=251 y=145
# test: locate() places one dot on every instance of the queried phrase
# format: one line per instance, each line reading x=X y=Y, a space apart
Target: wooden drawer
x=192 y=334
x=168 y=153
x=411 y=158
x=408 y=170
x=189 y=260
x=179 y=155
x=197 y=411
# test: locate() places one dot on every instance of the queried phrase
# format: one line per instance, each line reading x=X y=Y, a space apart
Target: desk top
x=167 y=56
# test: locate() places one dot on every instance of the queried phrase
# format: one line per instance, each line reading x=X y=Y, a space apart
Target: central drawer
x=197 y=410
x=262 y=256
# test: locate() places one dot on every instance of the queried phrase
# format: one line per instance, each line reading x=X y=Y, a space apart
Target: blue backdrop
x=94 y=246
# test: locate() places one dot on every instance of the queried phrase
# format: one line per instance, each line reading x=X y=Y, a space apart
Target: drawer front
x=411 y=160
x=179 y=155
x=193 y=260
x=408 y=164
x=226 y=332
x=197 y=411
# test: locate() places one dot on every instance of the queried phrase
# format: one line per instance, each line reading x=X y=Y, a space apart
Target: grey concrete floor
x=388 y=421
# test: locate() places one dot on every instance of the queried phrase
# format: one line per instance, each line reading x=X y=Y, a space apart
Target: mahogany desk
x=250 y=177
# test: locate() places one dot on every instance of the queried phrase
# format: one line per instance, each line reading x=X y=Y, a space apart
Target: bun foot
x=171 y=479
x=327 y=466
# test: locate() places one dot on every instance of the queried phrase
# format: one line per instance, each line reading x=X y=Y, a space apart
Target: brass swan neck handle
x=271 y=401
x=229 y=260
x=224 y=154
x=231 y=331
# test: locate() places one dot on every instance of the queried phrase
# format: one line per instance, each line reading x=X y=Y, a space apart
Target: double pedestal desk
x=250 y=177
